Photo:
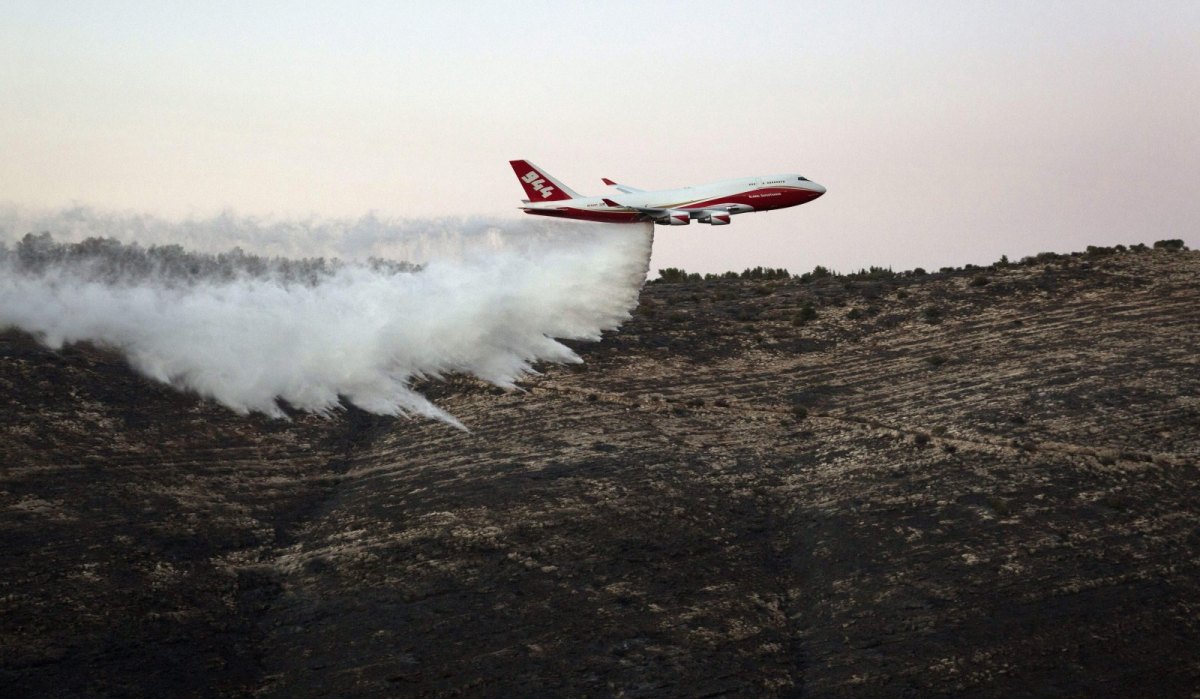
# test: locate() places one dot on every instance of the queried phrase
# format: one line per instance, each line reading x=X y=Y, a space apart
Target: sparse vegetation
x=806 y=314
x=675 y=275
x=840 y=448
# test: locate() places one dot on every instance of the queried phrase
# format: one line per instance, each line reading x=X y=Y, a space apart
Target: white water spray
x=490 y=301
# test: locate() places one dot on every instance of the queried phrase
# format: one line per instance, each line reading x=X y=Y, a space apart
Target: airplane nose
x=818 y=189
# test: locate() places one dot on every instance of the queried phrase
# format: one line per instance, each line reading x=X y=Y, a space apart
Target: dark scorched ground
x=981 y=483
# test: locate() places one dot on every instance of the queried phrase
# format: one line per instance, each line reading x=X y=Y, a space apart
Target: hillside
x=979 y=482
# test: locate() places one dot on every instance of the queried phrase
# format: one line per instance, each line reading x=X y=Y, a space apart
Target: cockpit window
x=803 y=179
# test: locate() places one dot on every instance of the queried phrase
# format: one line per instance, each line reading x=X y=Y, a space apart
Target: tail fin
x=538 y=185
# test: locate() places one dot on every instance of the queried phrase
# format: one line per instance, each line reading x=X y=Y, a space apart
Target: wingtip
x=607 y=181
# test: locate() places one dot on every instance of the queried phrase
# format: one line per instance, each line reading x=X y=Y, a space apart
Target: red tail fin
x=538 y=185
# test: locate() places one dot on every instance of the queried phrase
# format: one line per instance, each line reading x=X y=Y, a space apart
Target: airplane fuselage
x=711 y=203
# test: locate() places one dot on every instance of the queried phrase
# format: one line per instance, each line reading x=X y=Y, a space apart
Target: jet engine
x=674 y=217
x=715 y=217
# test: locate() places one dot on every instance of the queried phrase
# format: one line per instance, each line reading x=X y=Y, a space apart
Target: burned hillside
x=970 y=482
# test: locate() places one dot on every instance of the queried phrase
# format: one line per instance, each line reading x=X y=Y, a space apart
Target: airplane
x=713 y=203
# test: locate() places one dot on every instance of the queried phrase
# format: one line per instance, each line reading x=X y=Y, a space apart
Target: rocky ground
x=973 y=483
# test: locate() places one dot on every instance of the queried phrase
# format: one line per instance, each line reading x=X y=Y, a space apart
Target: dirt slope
x=979 y=483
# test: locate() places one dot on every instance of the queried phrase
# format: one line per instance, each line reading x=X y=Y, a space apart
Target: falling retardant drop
x=484 y=298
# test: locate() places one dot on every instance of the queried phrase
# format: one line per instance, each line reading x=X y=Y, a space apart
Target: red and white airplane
x=713 y=203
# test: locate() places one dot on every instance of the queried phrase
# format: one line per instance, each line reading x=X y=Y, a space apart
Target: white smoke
x=491 y=300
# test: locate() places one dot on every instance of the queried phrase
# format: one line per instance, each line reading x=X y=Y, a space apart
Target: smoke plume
x=484 y=298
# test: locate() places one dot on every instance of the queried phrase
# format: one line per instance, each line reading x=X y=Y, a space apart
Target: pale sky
x=946 y=132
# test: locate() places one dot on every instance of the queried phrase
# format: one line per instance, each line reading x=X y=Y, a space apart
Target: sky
x=945 y=132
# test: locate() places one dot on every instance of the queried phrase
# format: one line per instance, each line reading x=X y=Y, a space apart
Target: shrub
x=1172 y=245
x=932 y=315
x=1115 y=501
x=807 y=313
x=936 y=360
x=980 y=280
x=1000 y=506
x=746 y=313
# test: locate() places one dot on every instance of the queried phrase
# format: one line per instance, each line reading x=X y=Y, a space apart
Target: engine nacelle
x=715 y=217
x=674 y=217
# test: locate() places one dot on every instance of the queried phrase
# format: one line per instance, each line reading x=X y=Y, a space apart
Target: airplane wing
x=620 y=187
x=651 y=211
x=641 y=209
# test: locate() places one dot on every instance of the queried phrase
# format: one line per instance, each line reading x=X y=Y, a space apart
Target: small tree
x=672 y=275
